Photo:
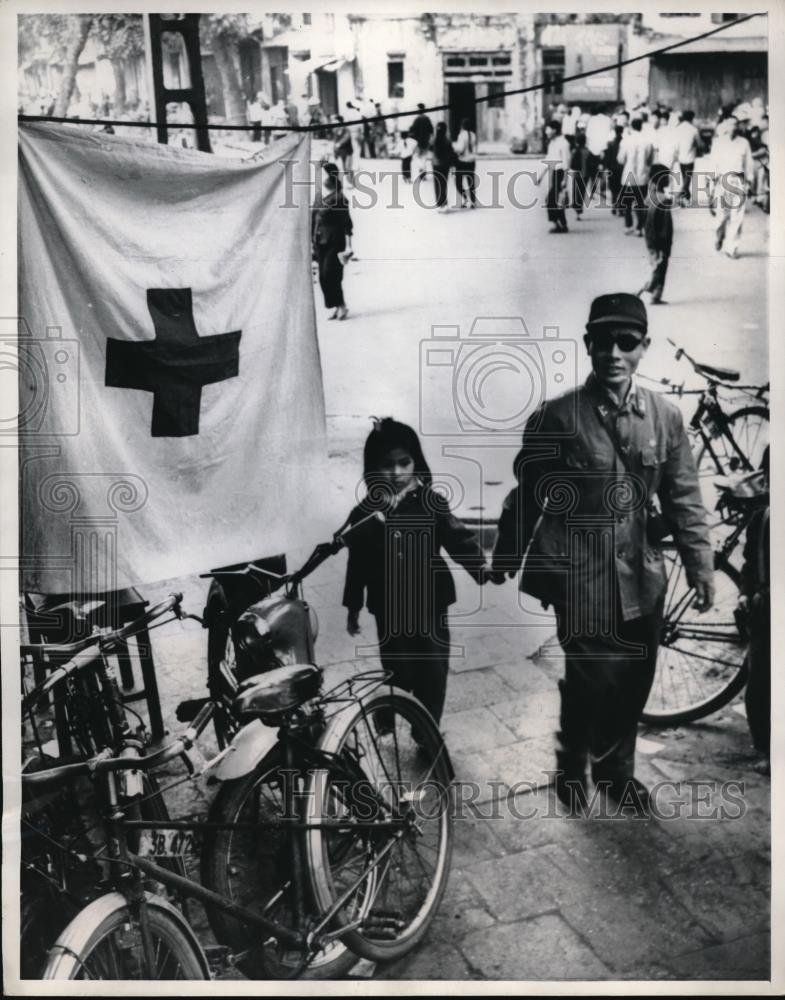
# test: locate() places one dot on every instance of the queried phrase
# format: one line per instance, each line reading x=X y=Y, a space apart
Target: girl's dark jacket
x=398 y=558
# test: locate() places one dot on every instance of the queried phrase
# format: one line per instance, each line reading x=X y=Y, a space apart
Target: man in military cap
x=594 y=463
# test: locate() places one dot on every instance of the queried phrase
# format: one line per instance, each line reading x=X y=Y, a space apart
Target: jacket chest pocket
x=652 y=463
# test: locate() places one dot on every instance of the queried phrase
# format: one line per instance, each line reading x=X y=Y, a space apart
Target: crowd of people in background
x=642 y=162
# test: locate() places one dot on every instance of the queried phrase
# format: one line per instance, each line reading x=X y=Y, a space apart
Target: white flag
x=171 y=403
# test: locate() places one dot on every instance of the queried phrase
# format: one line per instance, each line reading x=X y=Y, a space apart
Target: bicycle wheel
x=390 y=761
x=104 y=942
x=253 y=868
x=750 y=429
x=701 y=658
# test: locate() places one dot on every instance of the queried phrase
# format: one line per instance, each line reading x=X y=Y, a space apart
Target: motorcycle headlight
x=253 y=645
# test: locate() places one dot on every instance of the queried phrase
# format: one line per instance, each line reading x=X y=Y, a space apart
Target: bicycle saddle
x=726 y=374
x=277 y=691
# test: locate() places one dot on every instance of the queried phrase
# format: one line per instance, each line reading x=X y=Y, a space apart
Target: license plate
x=168 y=843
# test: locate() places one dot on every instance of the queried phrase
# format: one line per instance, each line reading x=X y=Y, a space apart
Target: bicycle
x=351 y=829
x=86 y=699
x=271 y=633
x=725 y=443
x=701 y=660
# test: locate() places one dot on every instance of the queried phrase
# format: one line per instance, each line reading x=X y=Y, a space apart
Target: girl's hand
x=353 y=623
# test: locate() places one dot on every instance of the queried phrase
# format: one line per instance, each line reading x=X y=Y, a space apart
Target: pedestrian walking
x=689 y=146
x=593 y=462
x=558 y=163
x=580 y=172
x=635 y=157
x=443 y=158
x=395 y=567
x=421 y=130
x=659 y=233
x=380 y=134
x=466 y=165
x=598 y=134
x=343 y=148
x=331 y=233
x=406 y=149
x=732 y=172
x=613 y=168
x=255 y=118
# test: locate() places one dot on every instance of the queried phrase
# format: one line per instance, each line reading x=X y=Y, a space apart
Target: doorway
x=328 y=92
x=460 y=97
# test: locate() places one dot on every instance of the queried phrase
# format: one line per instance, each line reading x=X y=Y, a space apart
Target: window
x=395 y=78
x=306 y=19
x=680 y=15
x=723 y=18
x=496 y=95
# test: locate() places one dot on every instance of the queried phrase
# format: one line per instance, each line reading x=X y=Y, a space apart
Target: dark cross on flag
x=175 y=365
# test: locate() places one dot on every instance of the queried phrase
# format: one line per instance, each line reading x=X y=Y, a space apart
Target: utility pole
x=187 y=26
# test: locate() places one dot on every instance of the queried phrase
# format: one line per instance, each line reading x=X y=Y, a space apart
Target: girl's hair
x=387 y=435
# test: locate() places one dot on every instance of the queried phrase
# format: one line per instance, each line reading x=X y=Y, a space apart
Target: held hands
x=489 y=573
x=704 y=596
x=353 y=623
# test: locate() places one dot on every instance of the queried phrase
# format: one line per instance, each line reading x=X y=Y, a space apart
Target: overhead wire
x=323 y=126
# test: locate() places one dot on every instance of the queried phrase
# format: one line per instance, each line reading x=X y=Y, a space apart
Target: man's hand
x=704 y=596
x=353 y=623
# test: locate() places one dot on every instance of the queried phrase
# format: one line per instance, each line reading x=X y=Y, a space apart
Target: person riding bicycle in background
x=395 y=567
x=592 y=462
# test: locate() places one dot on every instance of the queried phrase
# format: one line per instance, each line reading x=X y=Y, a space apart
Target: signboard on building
x=589 y=47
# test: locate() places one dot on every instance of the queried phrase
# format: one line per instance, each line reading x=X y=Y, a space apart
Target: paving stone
x=544 y=948
x=475 y=688
x=481 y=647
x=515 y=887
x=433 y=959
x=473 y=839
x=623 y=909
x=730 y=897
x=475 y=729
x=525 y=763
x=541 y=716
x=524 y=676
x=746 y=958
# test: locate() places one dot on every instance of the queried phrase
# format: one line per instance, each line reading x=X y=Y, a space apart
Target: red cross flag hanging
x=171 y=406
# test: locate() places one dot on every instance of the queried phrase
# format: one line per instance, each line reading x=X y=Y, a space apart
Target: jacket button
x=620 y=553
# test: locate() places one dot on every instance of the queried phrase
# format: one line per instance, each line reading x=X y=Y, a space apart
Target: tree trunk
x=76 y=43
x=224 y=50
x=118 y=68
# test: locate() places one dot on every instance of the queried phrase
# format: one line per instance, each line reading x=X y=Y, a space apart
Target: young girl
x=395 y=567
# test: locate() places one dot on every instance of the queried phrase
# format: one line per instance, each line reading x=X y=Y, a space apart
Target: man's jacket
x=582 y=511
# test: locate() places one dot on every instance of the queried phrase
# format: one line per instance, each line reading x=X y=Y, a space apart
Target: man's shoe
x=571 y=790
x=628 y=794
x=718 y=241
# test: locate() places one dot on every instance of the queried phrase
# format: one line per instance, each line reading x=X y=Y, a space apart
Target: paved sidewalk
x=534 y=895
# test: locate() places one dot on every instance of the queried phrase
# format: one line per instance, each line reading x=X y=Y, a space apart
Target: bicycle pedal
x=219 y=958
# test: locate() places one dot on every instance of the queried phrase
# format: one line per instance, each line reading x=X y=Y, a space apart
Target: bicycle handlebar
x=104 y=762
x=104 y=638
x=85 y=651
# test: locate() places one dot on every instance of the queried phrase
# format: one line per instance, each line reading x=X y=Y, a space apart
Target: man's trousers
x=607 y=680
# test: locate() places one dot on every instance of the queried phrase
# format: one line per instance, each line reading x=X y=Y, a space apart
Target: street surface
x=544 y=897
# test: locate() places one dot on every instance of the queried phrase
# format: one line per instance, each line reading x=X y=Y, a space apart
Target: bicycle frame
x=709 y=407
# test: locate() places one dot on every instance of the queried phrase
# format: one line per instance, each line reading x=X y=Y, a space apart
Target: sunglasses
x=604 y=341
